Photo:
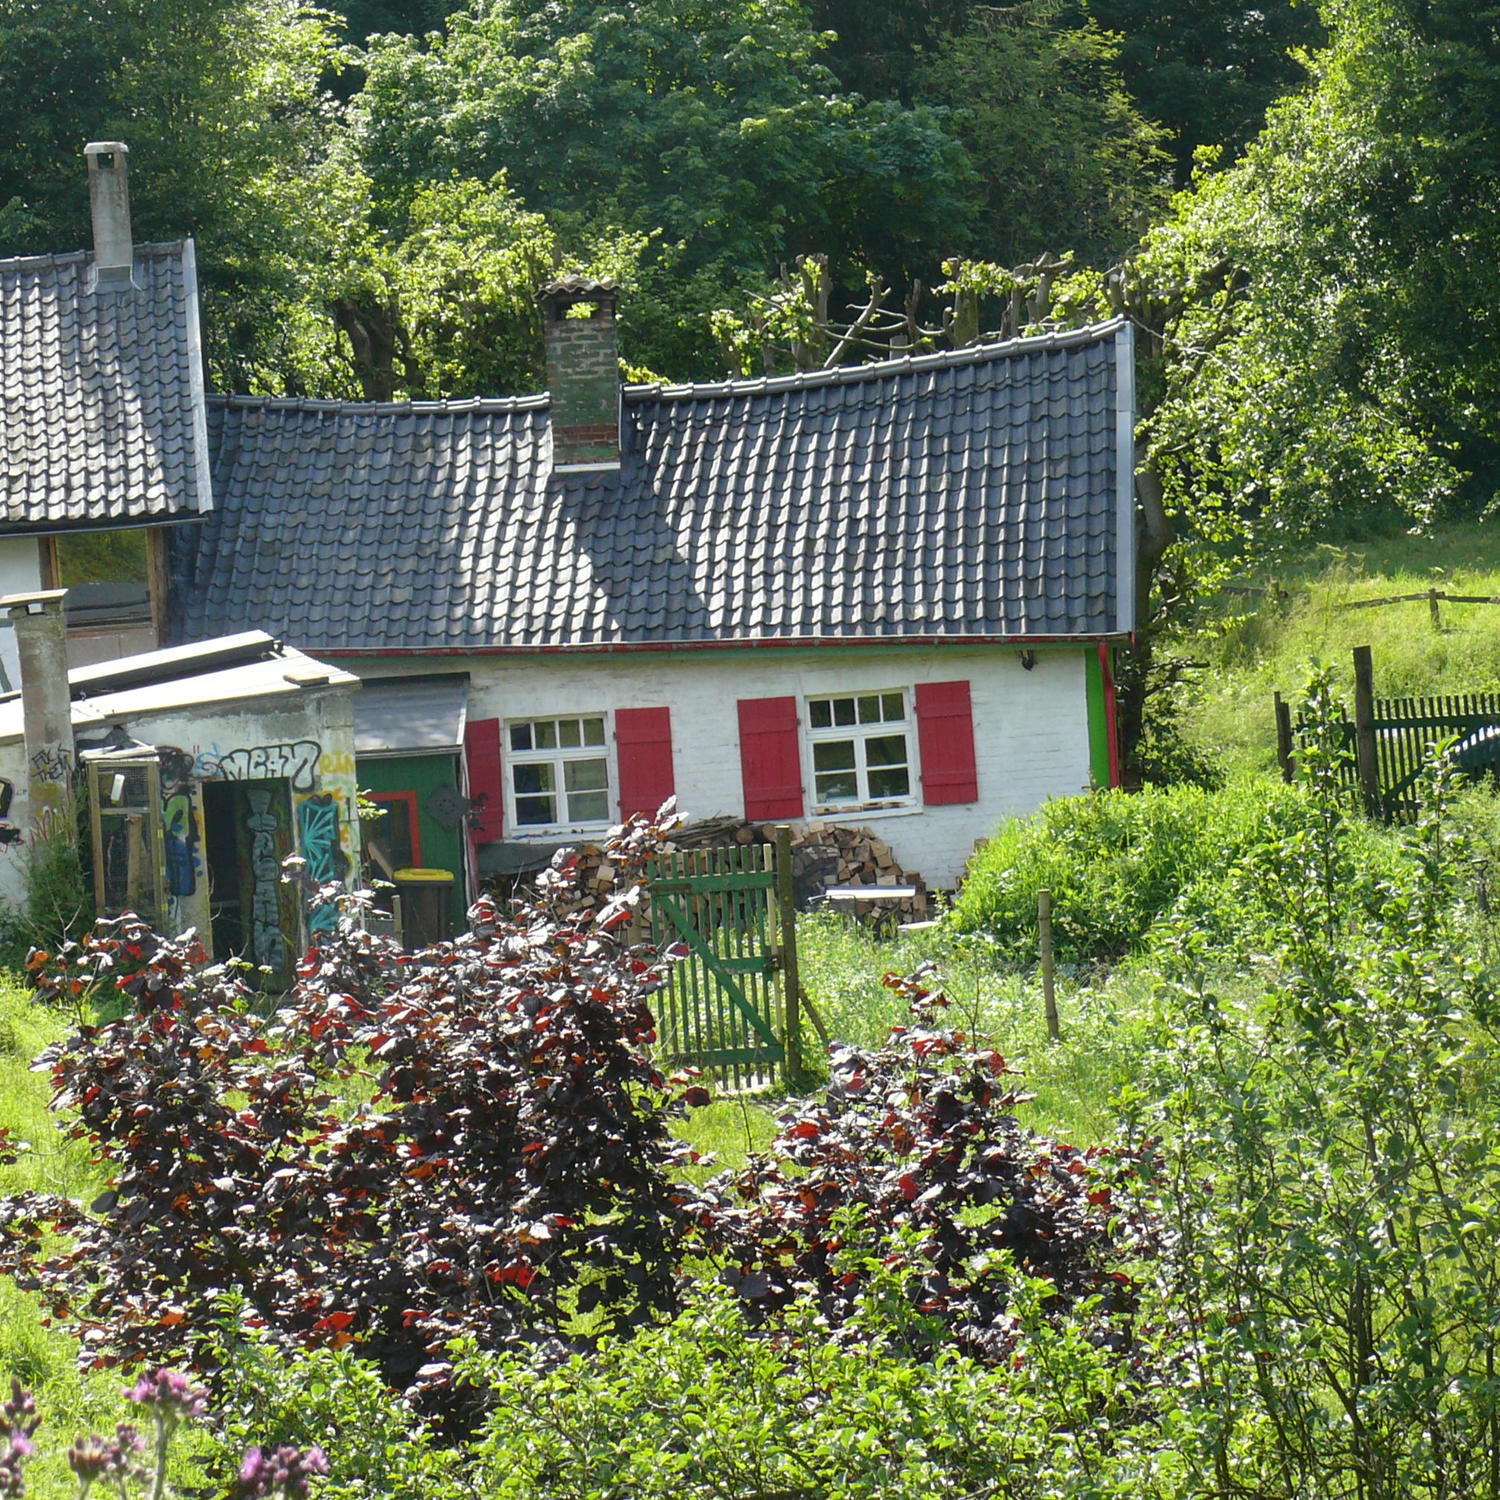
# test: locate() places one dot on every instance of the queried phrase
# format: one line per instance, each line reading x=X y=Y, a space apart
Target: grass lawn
x=43 y=1358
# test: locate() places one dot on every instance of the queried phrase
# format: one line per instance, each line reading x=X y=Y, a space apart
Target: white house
x=881 y=595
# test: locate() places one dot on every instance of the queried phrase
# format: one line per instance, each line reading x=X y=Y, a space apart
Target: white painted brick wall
x=1030 y=728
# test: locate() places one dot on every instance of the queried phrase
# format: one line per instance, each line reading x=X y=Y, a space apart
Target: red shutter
x=643 y=743
x=945 y=731
x=486 y=778
x=770 y=758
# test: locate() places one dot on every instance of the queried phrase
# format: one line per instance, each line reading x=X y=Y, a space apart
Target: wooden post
x=1285 y=746
x=1432 y=608
x=1044 y=941
x=791 y=979
x=1365 y=759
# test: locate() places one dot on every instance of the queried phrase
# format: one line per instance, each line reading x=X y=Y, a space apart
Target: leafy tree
x=1209 y=71
x=710 y=129
x=222 y=105
x=1062 y=156
x=877 y=47
x=1359 y=376
x=367 y=18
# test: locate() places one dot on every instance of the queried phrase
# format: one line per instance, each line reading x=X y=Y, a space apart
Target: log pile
x=823 y=855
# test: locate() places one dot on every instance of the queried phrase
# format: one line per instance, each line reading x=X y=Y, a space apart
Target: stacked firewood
x=824 y=856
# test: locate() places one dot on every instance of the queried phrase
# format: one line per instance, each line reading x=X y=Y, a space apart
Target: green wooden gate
x=730 y=1005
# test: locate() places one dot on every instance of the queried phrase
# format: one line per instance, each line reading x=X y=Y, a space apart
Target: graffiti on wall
x=267 y=941
x=9 y=833
x=52 y=763
x=318 y=834
x=181 y=833
x=296 y=760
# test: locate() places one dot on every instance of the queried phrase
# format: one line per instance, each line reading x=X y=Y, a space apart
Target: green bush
x=1114 y=862
x=704 y=1408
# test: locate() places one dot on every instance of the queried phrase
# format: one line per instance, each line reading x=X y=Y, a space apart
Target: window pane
x=585 y=775
x=820 y=713
x=532 y=778
x=893 y=706
x=886 y=750
x=520 y=736
x=593 y=731
x=893 y=781
x=545 y=731
x=588 y=807
x=833 y=755
x=869 y=709
x=569 y=734
x=836 y=786
x=533 y=810
x=843 y=710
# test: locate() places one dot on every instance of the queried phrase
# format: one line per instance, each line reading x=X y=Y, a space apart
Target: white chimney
x=109 y=198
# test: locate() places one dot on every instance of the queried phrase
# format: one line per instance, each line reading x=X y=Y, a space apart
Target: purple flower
x=287 y=1471
x=169 y=1396
x=94 y=1458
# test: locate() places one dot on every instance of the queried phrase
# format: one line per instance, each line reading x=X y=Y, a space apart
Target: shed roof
x=980 y=494
x=164 y=681
x=102 y=418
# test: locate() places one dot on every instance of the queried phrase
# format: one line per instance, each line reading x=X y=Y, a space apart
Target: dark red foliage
x=511 y=1165
x=916 y=1157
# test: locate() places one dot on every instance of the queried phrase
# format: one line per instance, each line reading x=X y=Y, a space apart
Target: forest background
x=1295 y=203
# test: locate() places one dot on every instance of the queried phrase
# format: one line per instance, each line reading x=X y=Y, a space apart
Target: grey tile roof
x=102 y=419
x=974 y=494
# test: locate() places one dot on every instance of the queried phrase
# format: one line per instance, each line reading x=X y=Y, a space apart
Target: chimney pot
x=109 y=200
x=583 y=372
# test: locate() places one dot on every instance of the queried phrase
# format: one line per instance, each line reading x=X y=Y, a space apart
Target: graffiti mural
x=297 y=761
x=9 y=833
x=322 y=847
x=268 y=944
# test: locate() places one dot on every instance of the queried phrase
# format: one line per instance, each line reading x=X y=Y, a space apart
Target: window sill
x=867 y=810
x=551 y=833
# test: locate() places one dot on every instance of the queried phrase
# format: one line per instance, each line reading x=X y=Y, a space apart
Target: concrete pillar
x=41 y=644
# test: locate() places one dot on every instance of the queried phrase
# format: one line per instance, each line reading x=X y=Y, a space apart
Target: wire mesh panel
x=722 y=1009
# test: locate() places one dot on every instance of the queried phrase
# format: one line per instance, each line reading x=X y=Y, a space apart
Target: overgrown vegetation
x=1265 y=1269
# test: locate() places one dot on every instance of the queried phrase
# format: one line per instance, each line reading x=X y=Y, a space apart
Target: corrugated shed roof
x=983 y=493
x=102 y=419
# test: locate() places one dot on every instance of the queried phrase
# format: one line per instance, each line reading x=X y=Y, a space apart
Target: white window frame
x=814 y=735
x=558 y=756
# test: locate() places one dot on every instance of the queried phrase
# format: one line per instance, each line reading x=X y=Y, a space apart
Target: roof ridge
x=479 y=405
x=877 y=369
x=74 y=257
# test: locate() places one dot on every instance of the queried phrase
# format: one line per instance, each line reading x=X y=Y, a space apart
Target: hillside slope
x=1255 y=644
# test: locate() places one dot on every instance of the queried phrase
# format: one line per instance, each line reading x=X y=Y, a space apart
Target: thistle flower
x=170 y=1397
x=286 y=1471
x=94 y=1458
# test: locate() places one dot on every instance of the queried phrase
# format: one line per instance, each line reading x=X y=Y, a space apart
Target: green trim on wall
x=1093 y=674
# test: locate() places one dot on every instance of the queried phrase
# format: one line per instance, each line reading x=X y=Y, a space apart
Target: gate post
x=791 y=979
x=1365 y=757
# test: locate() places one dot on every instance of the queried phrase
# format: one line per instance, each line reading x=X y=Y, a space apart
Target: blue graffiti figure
x=318 y=828
x=180 y=833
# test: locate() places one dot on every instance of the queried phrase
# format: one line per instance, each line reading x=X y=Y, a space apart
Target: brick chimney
x=109 y=200
x=46 y=707
x=583 y=373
